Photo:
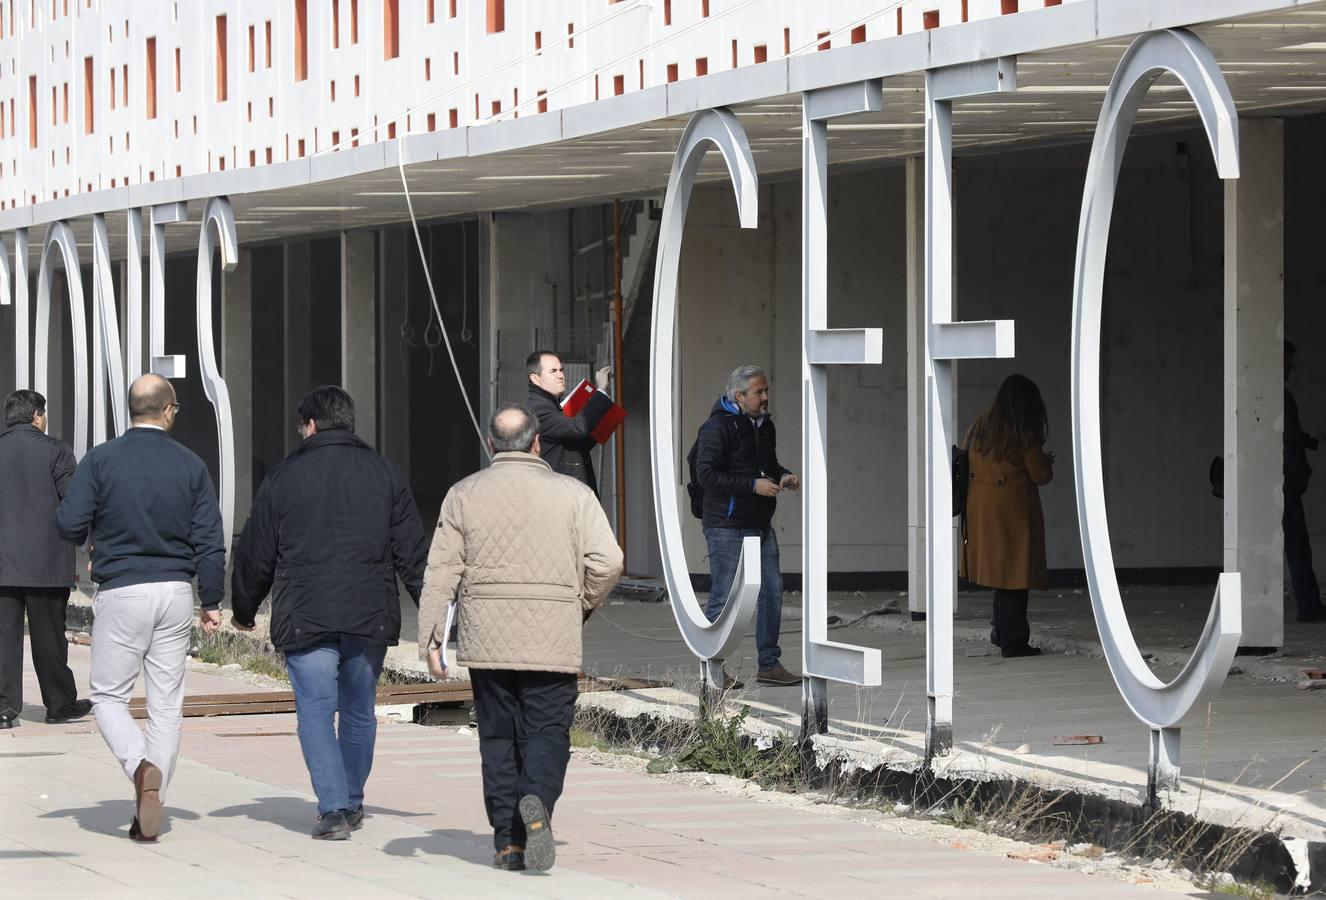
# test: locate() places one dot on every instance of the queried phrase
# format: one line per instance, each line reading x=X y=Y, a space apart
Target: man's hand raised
x=601 y=378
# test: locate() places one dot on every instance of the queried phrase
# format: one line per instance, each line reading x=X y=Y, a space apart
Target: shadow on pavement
x=294 y=813
x=113 y=816
x=463 y=845
x=291 y=813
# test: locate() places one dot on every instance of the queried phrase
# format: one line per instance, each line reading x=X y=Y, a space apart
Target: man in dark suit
x=36 y=566
x=566 y=440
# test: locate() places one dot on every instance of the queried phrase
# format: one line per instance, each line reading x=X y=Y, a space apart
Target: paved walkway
x=240 y=811
x=1257 y=757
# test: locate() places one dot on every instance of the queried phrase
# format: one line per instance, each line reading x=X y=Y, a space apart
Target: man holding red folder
x=567 y=439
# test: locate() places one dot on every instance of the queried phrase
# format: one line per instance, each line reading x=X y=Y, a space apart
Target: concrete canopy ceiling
x=1275 y=62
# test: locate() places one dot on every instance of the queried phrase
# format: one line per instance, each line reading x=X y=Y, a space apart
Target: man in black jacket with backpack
x=736 y=467
x=332 y=528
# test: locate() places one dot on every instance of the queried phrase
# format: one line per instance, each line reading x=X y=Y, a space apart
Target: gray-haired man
x=526 y=553
x=737 y=466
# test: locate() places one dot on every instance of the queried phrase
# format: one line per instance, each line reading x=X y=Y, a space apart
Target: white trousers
x=142 y=628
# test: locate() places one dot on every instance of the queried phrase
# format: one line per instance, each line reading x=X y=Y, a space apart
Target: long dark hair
x=1015 y=421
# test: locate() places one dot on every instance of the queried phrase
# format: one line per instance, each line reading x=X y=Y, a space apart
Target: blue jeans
x=340 y=674
x=724 y=553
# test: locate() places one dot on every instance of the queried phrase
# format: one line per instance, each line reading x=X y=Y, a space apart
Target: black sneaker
x=76 y=710
x=332 y=826
x=1313 y=615
x=355 y=818
x=1022 y=650
x=6 y=723
x=540 y=849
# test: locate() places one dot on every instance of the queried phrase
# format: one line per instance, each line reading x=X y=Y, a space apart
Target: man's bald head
x=151 y=397
x=513 y=429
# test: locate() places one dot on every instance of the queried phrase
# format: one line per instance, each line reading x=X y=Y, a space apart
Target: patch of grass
x=585 y=739
x=720 y=745
x=960 y=814
x=1258 y=891
x=224 y=649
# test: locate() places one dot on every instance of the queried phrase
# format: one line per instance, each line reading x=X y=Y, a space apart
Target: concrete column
x=298 y=356
x=393 y=407
x=915 y=177
x=237 y=370
x=1254 y=379
x=359 y=328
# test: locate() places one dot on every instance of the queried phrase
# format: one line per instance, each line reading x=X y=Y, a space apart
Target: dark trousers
x=1009 y=628
x=1298 y=554
x=524 y=741
x=45 y=609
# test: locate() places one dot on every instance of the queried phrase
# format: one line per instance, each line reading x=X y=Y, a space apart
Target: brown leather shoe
x=147 y=788
x=777 y=676
x=136 y=834
x=510 y=858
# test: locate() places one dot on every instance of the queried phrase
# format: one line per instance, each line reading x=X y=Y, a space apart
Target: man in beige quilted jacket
x=526 y=553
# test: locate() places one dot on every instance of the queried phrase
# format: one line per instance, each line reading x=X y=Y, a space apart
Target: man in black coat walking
x=565 y=440
x=36 y=566
x=332 y=528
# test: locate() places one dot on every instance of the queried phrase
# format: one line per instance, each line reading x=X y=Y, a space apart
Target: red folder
x=579 y=398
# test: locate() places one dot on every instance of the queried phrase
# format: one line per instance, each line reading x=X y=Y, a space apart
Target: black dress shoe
x=1023 y=650
x=76 y=710
x=6 y=722
x=1313 y=615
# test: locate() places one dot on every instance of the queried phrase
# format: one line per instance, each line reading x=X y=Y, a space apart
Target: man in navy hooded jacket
x=738 y=469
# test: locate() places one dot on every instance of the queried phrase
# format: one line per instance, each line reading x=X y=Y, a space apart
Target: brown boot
x=147 y=788
x=510 y=858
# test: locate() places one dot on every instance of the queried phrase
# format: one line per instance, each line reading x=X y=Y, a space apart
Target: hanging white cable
x=432 y=296
x=409 y=200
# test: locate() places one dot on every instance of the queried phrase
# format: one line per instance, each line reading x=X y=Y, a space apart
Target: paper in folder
x=448 y=634
x=583 y=397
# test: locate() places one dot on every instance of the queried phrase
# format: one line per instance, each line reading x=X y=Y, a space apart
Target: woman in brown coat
x=1004 y=543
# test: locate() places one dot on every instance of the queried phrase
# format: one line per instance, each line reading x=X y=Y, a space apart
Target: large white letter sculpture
x=22 y=331
x=1157 y=704
x=111 y=370
x=60 y=237
x=945 y=342
x=106 y=357
x=823 y=659
x=218 y=228
x=166 y=366
x=710 y=641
